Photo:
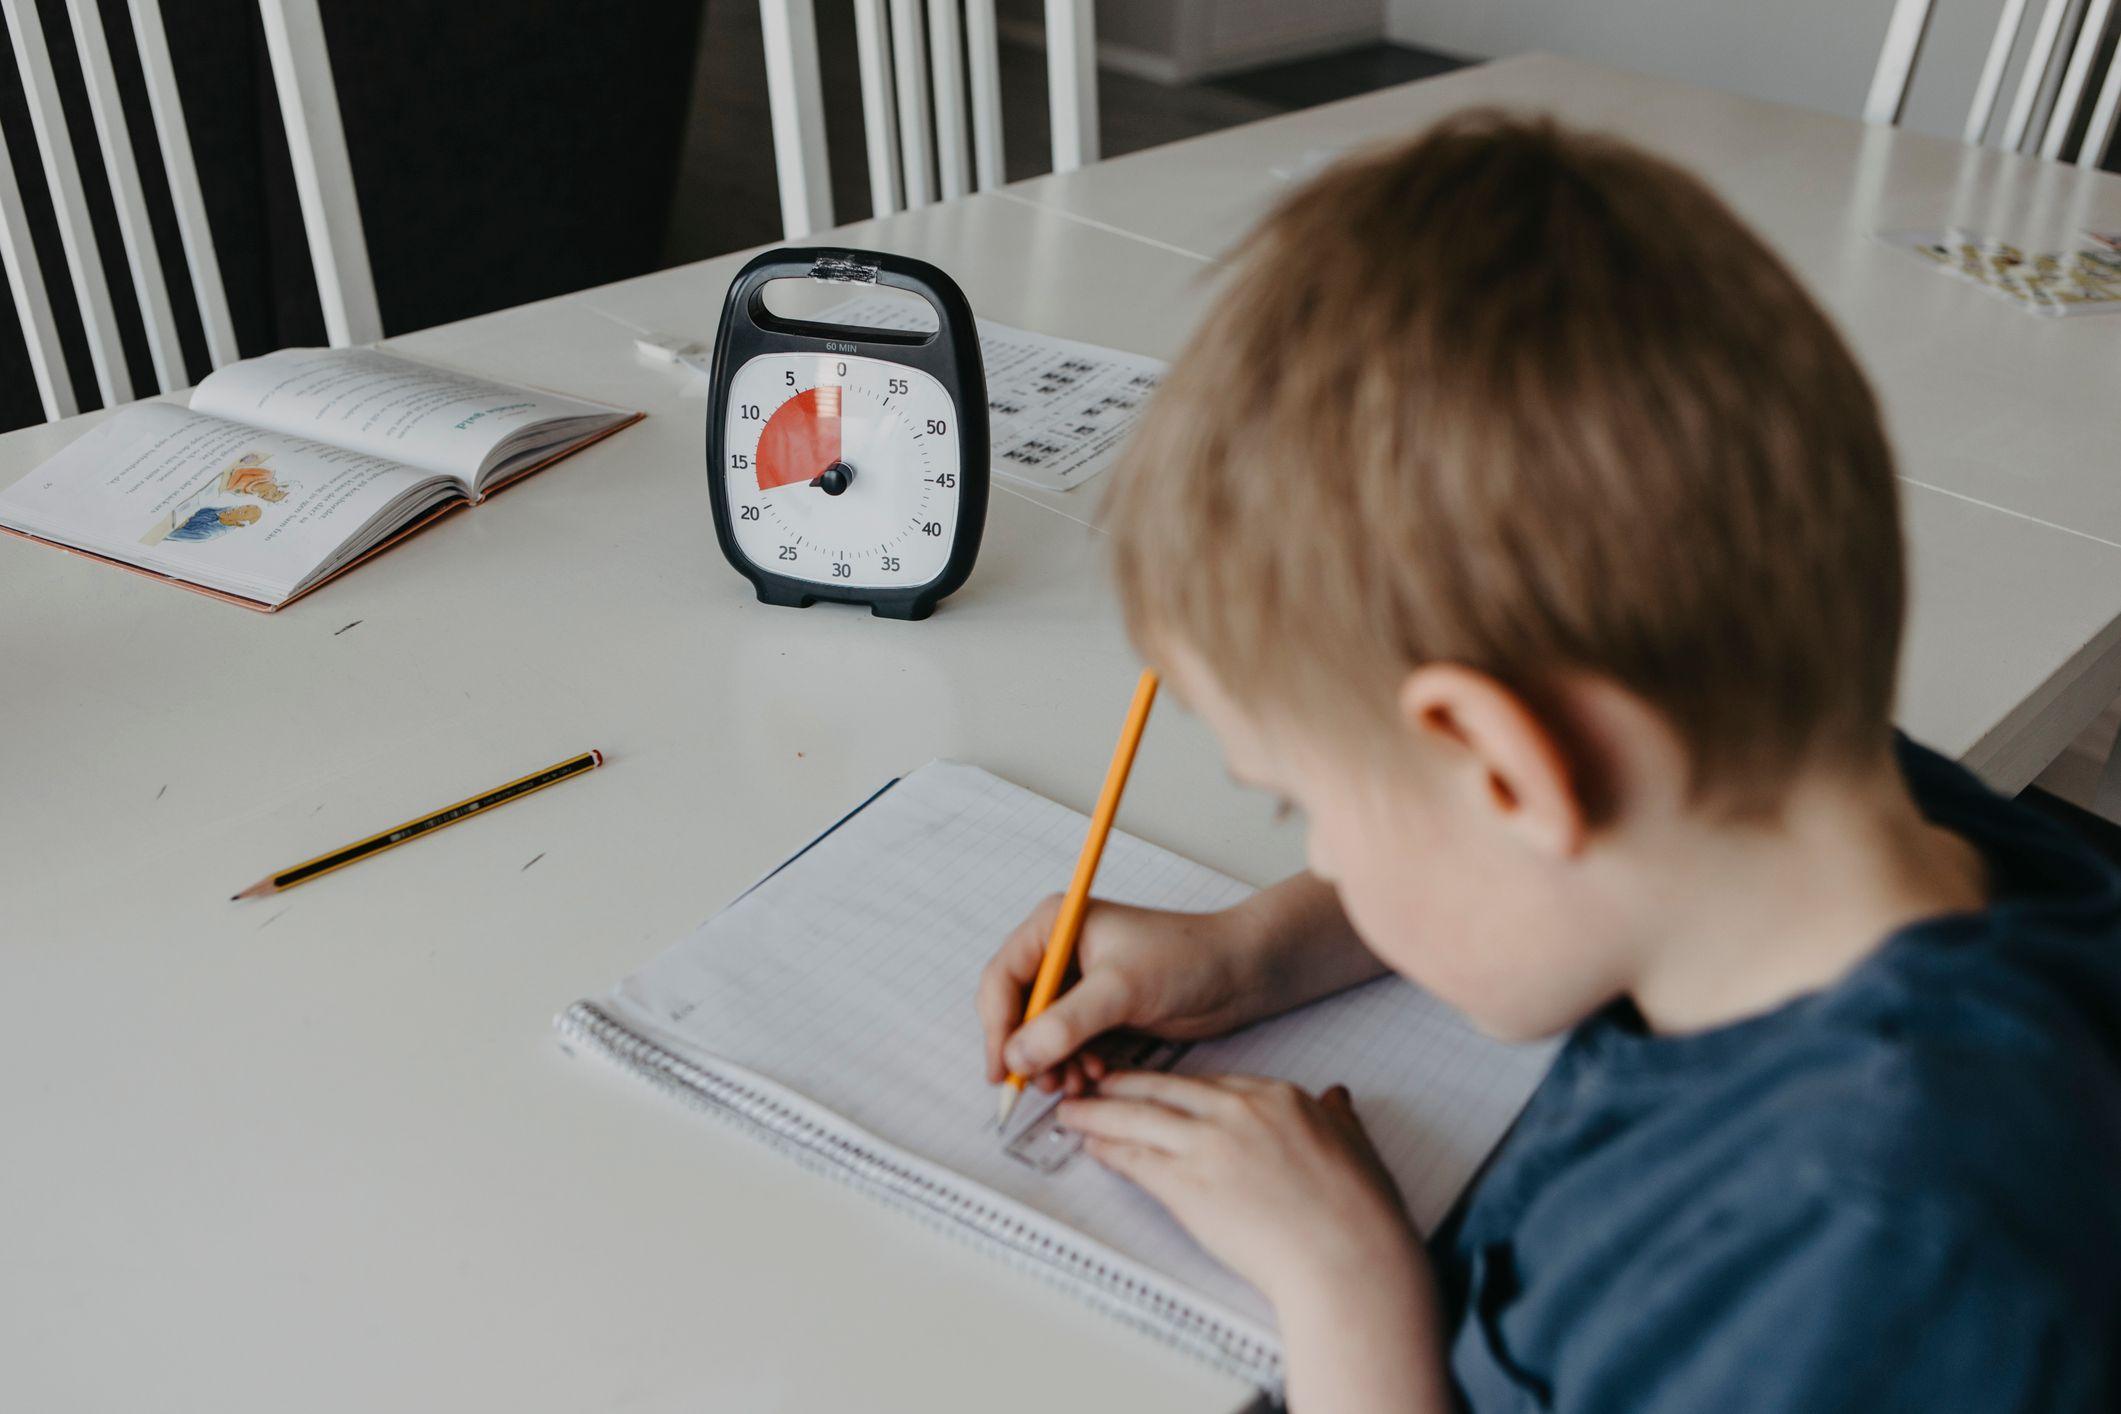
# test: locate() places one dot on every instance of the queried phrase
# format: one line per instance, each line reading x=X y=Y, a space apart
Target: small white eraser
x=671 y=348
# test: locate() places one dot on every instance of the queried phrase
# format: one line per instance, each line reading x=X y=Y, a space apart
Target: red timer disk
x=801 y=439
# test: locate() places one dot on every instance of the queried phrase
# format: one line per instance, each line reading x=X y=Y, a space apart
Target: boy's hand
x=1177 y=975
x=1283 y=1187
x=1169 y=974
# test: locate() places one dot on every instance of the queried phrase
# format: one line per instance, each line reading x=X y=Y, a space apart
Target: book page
x=848 y=978
x=235 y=508
x=387 y=405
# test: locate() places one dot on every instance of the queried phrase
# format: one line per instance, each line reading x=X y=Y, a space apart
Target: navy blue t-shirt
x=1902 y=1192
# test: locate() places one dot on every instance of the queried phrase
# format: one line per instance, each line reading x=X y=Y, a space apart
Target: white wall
x=1814 y=53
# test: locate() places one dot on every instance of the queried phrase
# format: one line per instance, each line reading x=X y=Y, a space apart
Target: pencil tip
x=1007 y=1104
x=263 y=886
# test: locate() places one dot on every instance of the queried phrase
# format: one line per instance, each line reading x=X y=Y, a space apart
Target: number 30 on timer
x=848 y=463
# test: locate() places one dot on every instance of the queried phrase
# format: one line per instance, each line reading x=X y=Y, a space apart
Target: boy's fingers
x=1129 y=1122
x=1339 y=1106
x=1000 y=998
x=1131 y=1161
x=997 y=1003
x=1091 y=1007
x=1075 y=1076
x=1190 y=1095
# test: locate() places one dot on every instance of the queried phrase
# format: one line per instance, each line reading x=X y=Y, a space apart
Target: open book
x=829 y=1012
x=291 y=468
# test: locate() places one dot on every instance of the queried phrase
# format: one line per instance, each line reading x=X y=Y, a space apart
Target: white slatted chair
x=309 y=107
x=2054 y=79
x=898 y=92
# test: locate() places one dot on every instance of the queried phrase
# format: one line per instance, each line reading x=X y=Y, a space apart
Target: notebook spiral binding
x=1141 y=1304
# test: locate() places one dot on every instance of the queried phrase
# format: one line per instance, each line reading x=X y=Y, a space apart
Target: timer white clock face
x=841 y=470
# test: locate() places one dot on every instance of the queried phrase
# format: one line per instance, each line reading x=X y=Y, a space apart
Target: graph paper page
x=848 y=978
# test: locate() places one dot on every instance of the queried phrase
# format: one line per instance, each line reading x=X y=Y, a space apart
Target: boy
x=1517 y=516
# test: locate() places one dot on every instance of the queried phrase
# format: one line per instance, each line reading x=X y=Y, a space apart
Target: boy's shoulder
x=1967 y=1076
x=1970 y=1096
x=1918 y=1217
x=1963 y=1089
x=1919 y=1159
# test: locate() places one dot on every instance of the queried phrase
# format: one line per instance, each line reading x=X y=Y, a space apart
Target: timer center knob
x=834 y=479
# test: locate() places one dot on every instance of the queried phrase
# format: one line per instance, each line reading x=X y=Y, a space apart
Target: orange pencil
x=1068 y=923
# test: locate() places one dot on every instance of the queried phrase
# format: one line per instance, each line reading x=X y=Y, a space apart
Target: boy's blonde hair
x=1534 y=402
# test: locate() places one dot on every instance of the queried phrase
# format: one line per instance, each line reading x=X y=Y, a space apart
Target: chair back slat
x=62 y=177
x=1989 y=86
x=1071 y=79
x=982 y=47
x=794 y=96
x=931 y=96
x=1896 y=61
x=909 y=54
x=2035 y=86
x=33 y=305
x=2099 y=129
x=2057 y=74
x=946 y=67
x=129 y=202
x=309 y=106
x=2047 y=105
x=2076 y=78
x=174 y=138
x=323 y=176
x=872 y=49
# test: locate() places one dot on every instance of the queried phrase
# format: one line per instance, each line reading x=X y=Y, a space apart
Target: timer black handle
x=955 y=339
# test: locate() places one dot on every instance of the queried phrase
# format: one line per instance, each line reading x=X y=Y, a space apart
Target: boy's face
x=1436 y=879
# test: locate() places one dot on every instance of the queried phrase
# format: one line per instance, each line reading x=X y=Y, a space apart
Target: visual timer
x=848 y=463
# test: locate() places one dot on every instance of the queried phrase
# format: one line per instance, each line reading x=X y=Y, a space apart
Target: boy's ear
x=1515 y=762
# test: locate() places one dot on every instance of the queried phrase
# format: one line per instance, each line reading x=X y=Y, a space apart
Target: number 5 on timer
x=848 y=463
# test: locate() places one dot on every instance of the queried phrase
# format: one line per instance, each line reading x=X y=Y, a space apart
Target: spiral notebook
x=829 y=1012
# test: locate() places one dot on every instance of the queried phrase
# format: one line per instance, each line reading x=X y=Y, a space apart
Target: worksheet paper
x=832 y=1007
x=2086 y=280
x=1057 y=410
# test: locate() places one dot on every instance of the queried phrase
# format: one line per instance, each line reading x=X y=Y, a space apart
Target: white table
x=321 y=1152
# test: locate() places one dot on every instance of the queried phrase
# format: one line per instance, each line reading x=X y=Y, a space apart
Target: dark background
x=505 y=153
x=500 y=154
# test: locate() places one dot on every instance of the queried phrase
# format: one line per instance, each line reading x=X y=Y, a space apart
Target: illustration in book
x=247 y=475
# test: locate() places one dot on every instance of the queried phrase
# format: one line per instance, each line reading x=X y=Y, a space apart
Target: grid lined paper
x=847 y=980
